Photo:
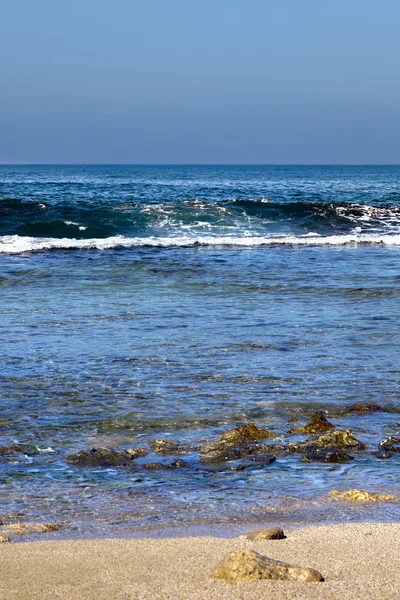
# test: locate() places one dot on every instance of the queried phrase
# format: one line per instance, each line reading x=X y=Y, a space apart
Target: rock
x=389 y=446
x=154 y=466
x=164 y=447
x=318 y=424
x=24 y=528
x=272 y=533
x=157 y=466
x=363 y=408
x=359 y=496
x=338 y=440
x=247 y=565
x=177 y=464
x=234 y=439
x=18 y=449
x=334 y=440
x=4 y=538
x=136 y=452
x=100 y=457
x=326 y=455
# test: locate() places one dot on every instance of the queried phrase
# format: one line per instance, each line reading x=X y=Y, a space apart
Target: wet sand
x=357 y=561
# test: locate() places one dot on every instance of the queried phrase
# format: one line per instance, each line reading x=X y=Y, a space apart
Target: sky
x=200 y=81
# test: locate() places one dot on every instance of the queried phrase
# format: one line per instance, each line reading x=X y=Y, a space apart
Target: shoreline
x=357 y=561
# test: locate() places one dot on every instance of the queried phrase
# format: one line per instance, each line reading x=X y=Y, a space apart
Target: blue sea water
x=176 y=302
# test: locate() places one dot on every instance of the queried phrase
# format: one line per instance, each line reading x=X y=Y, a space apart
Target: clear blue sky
x=200 y=81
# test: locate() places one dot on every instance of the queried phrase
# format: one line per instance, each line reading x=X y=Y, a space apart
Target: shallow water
x=158 y=332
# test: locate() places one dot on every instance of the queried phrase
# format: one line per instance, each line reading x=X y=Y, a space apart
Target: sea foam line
x=14 y=244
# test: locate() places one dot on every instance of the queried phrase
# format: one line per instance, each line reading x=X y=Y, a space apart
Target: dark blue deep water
x=176 y=302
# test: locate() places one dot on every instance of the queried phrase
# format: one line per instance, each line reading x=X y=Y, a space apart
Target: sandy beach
x=357 y=561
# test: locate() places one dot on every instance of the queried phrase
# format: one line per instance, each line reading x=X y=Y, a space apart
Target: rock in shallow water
x=102 y=457
x=327 y=455
x=359 y=496
x=234 y=439
x=390 y=446
x=247 y=565
x=272 y=533
x=334 y=440
x=318 y=424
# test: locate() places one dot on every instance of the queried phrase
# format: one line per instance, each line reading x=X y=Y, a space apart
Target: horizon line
x=162 y=164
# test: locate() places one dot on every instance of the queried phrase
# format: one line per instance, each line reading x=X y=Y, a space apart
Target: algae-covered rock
x=326 y=455
x=18 y=449
x=100 y=457
x=318 y=424
x=359 y=496
x=247 y=565
x=136 y=452
x=390 y=445
x=338 y=440
x=234 y=439
x=25 y=528
x=363 y=408
x=176 y=464
x=164 y=447
x=271 y=533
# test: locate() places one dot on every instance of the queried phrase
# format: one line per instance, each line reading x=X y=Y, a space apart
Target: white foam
x=14 y=244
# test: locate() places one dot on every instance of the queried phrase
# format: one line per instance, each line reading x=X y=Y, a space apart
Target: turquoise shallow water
x=181 y=302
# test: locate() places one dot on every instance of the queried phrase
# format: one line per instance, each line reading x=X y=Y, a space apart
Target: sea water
x=177 y=302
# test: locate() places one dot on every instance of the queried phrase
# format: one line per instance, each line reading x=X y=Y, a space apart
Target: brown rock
x=390 y=445
x=318 y=424
x=4 y=538
x=136 y=452
x=100 y=457
x=272 y=533
x=337 y=440
x=359 y=496
x=247 y=565
x=24 y=528
x=234 y=438
x=363 y=408
x=164 y=447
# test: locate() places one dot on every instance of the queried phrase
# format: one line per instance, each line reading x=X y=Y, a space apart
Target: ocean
x=141 y=303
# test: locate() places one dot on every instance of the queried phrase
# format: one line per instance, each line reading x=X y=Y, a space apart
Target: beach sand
x=357 y=561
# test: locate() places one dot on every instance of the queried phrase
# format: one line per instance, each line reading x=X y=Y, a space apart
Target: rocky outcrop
x=235 y=443
x=363 y=408
x=100 y=457
x=389 y=446
x=247 y=565
x=25 y=528
x=318 y=424
x=326 y=455
x=271 y=533
x=176 y=464
x=165 y=447
x=334 y=440
x=359 y=496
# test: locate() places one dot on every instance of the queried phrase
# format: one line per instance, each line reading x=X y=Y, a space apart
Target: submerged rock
x=176 y=464
x=247 y=565
x=101 y=457
x=318 y=424
x=362 y=408
x=326 y=455
x=234 y=439
x=360 y=496
x=18 y=449
x=272 y=533
x=389 y=446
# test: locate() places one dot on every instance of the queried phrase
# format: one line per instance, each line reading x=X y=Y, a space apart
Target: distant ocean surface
x=177 y=302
